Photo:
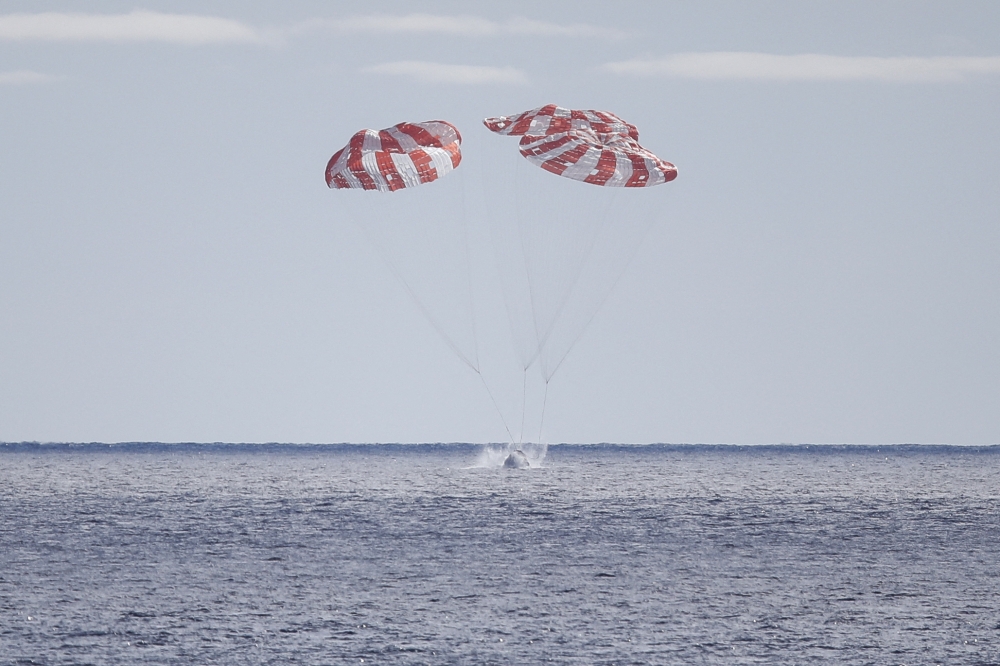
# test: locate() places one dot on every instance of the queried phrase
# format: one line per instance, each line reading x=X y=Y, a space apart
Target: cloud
x=433 y=72
x=464 y=26
x=150 y=26
x=137 y=26
x=735 y=65
x=23 y=77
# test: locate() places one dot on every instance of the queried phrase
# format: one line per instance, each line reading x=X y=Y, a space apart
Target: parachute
x=404 y=155
x=595 y=147
x=566 y=245
x=559 y=245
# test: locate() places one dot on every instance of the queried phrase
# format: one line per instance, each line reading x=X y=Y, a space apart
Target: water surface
x=391 y=554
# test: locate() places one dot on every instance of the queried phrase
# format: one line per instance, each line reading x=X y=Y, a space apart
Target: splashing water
x=494 y=455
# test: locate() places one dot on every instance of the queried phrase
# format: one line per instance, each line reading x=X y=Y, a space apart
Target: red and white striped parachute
x=595 y=147
x=404 y=155
x=552 y=119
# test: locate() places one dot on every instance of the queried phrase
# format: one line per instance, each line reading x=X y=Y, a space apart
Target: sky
x=824 y=269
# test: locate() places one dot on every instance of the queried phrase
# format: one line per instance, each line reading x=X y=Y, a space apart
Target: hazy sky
x=826 y=268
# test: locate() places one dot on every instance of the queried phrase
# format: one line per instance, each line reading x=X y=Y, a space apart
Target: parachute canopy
x=401 y=156
x=595 y=147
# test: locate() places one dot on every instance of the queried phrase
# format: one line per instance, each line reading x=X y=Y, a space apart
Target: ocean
x=434 y=554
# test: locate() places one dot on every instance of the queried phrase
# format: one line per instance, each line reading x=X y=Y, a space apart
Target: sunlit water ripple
x=223 y=554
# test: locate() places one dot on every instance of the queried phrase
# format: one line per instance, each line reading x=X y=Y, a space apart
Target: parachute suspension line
x=607 y=295
x=468 y=271
x=406 y=285
x=524 y=402
x=504 y=254
x=496 y=406
x=541 y=421
x=370 y=235
x=602 y=221
x=518 y=171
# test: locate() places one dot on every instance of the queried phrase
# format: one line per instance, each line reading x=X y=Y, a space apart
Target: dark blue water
x=220 y=554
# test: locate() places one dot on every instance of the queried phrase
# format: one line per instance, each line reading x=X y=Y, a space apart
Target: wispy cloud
x=465 y=26
x=434 y=72
x=137 y=26
x=151 y=26
x=22 y=77
x=735 y=65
